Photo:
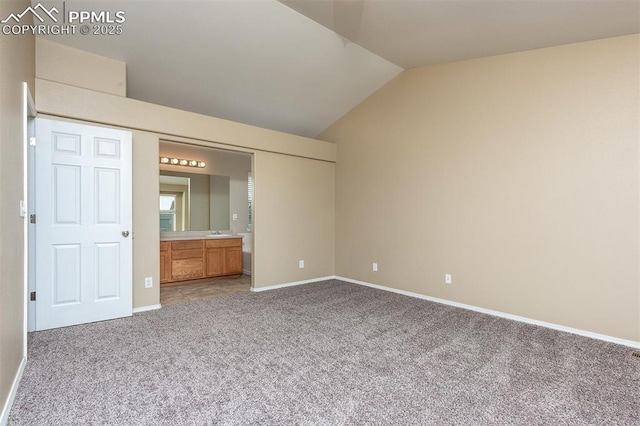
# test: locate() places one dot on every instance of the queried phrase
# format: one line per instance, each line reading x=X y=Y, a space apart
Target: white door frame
x=28 y=131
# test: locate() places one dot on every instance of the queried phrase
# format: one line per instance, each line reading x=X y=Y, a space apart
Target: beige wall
x=294 y=219
x=146 y=219
x=64 y=64
x=517 y=174
x=87 y=105
x=17 y=65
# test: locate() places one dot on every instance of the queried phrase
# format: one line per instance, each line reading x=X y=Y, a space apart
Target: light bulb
x=174 y=161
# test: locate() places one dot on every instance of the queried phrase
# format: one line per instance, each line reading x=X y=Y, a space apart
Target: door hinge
x=32 y=141
x=32 y=218
x=32 y=296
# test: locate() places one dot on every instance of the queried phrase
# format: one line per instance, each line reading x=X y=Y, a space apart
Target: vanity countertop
x=174 y=236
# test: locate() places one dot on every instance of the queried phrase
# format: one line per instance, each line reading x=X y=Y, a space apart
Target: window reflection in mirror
x=174 y=203
x=167 y=212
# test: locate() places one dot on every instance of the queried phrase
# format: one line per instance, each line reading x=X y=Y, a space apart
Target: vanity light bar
x=182 y=162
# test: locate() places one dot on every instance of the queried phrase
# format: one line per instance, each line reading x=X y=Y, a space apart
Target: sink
x=219 y=235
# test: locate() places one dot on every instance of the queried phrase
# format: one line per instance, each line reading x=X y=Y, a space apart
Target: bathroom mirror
x=193 y=202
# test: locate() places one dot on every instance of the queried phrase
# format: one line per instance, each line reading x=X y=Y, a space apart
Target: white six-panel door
x=83 y=256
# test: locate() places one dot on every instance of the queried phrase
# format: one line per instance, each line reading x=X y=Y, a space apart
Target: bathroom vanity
x=198 y=258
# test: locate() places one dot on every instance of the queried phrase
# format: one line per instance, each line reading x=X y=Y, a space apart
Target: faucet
x=215 y=232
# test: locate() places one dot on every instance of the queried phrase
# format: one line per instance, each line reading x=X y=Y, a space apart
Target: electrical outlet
x=374 y=267
x=148 y=282
x=235 y=216
x=301 y=264
x=447 y=278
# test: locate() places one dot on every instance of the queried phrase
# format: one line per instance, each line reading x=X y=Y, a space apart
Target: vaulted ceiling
x=299 y=65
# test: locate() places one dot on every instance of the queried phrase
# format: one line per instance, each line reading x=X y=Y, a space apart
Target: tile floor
x=204 y=290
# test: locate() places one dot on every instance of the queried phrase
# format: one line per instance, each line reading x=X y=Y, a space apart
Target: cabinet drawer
x=187 y=269
x=187 y=254
x=226 y=242
x=165 y=245
x=186 y=245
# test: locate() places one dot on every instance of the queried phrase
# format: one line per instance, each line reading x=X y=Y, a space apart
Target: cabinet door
x=187 y=269
x=215 y=262
x=165 y=267
x=233 y=260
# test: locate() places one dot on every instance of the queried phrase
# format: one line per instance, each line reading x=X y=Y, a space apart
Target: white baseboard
x=4 y=417
x=146 y=308
x=291 y=284
x=558 y=327
x=246 y=272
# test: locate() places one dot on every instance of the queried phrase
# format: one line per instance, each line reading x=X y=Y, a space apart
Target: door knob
x=125 y=234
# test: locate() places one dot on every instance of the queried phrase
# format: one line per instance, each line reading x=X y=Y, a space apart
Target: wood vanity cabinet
x=187 y=260
x=224 y=257
x=215 y=261
x=233 y=260
x=165 y=261
x=196 y=259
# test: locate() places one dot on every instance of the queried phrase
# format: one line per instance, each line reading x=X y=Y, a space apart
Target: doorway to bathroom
x=206 y=220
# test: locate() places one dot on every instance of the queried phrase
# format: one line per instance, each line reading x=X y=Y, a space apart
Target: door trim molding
x=28 y=112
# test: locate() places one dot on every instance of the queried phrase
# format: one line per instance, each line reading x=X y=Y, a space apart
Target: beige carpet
x=326 y=353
